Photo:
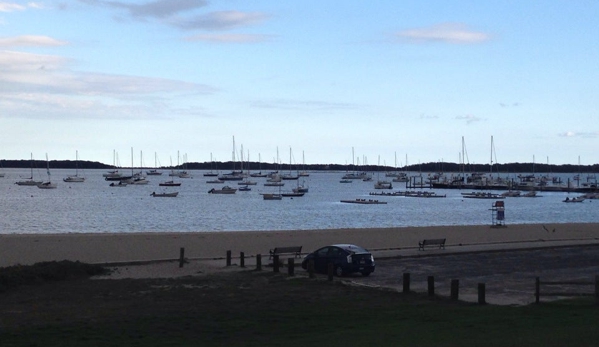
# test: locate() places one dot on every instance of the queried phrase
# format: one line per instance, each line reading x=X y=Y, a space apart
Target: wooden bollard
x=311 y=268
x=481 y=294
x=242 y=259
x=406 y=283
x=537 y=290
x=275 y=263
x=228 y=258
x=431 y=285
x=455 y=289
x=291 y=267
x=331 y=271
x=259 y=262
x=181 y=256
x=597 y=289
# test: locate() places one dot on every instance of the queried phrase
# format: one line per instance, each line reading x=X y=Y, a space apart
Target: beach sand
x=28 y=249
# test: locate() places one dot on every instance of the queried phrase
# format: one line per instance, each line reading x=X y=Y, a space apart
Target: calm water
x=94 y=207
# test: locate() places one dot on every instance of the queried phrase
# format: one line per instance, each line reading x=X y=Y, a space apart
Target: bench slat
x=431 y=242
x=296 y=250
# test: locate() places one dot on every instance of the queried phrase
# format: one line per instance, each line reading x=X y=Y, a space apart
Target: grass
x=265 y=309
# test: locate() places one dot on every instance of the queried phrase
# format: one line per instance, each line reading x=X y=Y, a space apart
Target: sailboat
x=381 y=184
x=48 y=184
x=259 y=173
x=211 y=173
x=246 y=181
x=76 y=178
x=303 y=173
x=137 y=178
x=114 y=175
x=29 y=181
x=289 y=176
x=154 y=171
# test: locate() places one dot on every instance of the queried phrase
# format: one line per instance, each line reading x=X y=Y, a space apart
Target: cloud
x=504 y=105
x=36 y=84
x=11 y=6
x=153 y=9
x=178 y=14
x=223 y=20
x=30 y=40
x=426 y=116
x=579 y=134
x=229 y=38
x=469 y=118
x=454 y=33
x=305 y=105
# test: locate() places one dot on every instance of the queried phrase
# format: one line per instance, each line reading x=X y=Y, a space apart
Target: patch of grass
x=262 y=309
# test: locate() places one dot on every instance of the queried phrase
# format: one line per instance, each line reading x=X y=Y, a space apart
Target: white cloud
x=229 y=38
x=153 y=9
x=30 y=40
x=11 y=6
x=427 y=116
x=223 y=20
x=34 y=85
x=446 y=32
x=579 y=134
x=308 y=105
x=469 y=118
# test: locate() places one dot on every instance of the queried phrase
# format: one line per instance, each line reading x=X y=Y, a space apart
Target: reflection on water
x=95 y=207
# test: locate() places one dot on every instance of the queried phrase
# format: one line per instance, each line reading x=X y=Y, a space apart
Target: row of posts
x=454 y=288
x=454 y=291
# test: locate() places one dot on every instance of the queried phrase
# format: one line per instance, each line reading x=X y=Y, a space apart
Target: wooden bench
x=295 y=250
x=431 y=242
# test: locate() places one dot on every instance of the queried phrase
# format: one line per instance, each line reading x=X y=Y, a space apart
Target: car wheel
x=339 y=271
x=366 y=273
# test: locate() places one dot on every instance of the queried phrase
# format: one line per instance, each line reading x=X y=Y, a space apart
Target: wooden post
x=431 y=285
x=181 y=256
x=228 y=258
x=455 y=289
x=481 y=294
x=331 y=271
x=291 y=267
x=597 y=289
x=275 y=263
x=311 y=268
x=242 y=259
x=406 y=283
x=259 y=262
x=537 y=290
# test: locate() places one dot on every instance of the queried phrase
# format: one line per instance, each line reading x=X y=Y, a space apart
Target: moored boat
x=223 y=190
x=169 y=184
x=164 y=195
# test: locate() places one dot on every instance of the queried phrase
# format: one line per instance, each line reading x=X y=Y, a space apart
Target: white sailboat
x=47 y=184
x=154 y=171
x=76 y=178
x=29 y=181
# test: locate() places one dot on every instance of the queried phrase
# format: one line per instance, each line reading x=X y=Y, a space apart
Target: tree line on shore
x=257 y=166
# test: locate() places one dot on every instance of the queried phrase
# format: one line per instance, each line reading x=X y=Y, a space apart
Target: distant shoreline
x=508 y=168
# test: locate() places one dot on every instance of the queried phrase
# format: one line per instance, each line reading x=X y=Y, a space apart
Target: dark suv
x=345 y=258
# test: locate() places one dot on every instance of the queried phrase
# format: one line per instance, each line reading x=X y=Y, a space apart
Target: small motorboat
x=164 y=195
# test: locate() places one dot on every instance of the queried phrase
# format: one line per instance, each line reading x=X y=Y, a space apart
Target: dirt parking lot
x=509 y=276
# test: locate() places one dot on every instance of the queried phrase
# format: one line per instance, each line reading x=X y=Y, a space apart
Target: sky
x=331 y=82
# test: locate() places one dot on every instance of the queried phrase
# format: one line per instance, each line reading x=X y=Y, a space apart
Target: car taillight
x=349 y=259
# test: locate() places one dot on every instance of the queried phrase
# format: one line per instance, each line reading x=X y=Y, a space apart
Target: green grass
x=263 y=309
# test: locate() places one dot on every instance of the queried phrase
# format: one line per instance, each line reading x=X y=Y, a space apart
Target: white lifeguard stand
x=498 y=214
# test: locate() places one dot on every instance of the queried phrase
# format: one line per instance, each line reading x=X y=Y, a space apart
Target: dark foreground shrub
x=17 y=275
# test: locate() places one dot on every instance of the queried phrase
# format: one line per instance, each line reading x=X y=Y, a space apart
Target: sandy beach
x=27 y=249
